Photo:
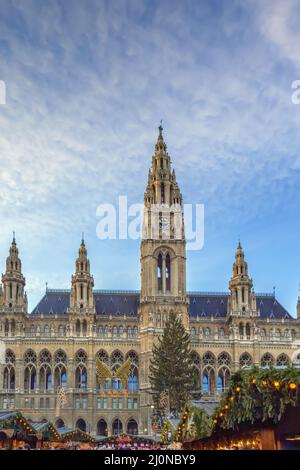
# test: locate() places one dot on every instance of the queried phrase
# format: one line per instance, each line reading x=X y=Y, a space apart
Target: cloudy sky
x=87 y=83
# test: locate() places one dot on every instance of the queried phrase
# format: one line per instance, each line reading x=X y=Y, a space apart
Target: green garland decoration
x=257 y=395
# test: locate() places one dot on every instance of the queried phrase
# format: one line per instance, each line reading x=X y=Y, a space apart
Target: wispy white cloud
x=87 y=85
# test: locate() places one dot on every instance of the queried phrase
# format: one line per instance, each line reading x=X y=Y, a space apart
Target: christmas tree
x=171 y=372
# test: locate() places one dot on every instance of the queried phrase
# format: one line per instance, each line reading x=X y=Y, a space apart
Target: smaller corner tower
x=242 y=297
x=14 y=297
x=82 y=298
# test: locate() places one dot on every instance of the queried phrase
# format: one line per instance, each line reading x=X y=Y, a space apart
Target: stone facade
x=57 y=343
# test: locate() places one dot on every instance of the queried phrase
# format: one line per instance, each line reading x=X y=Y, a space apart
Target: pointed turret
x=82 y=281
x=162 y=187
x=242 y=298
x=13 y=280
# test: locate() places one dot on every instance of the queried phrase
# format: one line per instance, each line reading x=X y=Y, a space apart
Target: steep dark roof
x=56 y=302
x=202 y=304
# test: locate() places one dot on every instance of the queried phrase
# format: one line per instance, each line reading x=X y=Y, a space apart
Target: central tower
x=163 y=261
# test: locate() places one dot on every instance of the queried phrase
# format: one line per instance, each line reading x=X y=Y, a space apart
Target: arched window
x=32 y=331
x=81 y=424
x=248 y=331
x=133 y=357
x=283 y=360
x=159 y=272
x=208 y=381
x=162 y=193
x=115 y=331
x=9 y=371
x=223 y=379
x=116 y=360
x=61 y=331
x=132 y=428
x=84 y=327
x=6 y=327
x=207 y=332
x=221 y=333
x=133 y=380
x=224 y=359
x=246 y=360
x=102 y=427
x=117 y=427
x=45 y=363
x=267 y=360
x=168 y=272
x=46 y=330
x=59 y=423
x=60 y=370
x=30 y=370
x=241 y=330
x=13 y=328
x=81 y=369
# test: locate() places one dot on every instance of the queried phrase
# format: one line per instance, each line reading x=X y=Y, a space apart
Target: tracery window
x=283 y=360
x=209 y=359
x=9 y=370
x=103 y=356
x=81 y=370
x=116 y=360
x=246 y=360
x=81 y=357
x=60 y=370
x=30 y=370
x=133 y=357
x=224 y=359
x=267 y=360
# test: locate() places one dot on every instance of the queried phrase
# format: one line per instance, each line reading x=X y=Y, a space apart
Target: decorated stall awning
x=15 y=420
x=45 y=430
x=69 y=434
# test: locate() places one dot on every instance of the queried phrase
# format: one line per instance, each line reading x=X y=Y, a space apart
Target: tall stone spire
x=162 y=187
x=82 y=281
x=13 y=279
x=242 y=299
x=163 y=244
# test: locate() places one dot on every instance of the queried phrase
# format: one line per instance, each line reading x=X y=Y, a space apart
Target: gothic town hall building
x=56 y=345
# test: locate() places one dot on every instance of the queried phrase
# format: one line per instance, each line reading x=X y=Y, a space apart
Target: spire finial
x=46 y=284
x=14 y=237
x=160 y=128
x=82 y=238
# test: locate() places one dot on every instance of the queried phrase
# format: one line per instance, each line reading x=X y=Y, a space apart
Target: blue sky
x=87 y=84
